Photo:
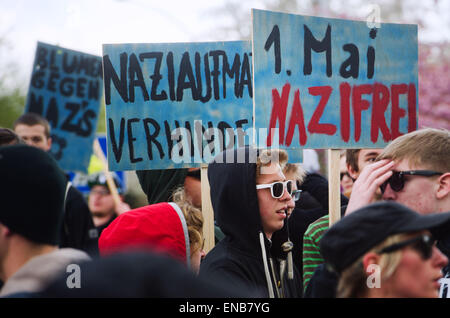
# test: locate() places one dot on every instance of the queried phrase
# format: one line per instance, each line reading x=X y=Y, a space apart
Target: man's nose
x=388 y=194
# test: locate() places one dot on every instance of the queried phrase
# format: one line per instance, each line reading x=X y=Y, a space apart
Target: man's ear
x=444 y=186
x=49 y=143
x=353 y=174
x=5 y=231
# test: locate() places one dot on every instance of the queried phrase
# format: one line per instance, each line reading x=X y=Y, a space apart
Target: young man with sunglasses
x=414 y=169
x=251 y=201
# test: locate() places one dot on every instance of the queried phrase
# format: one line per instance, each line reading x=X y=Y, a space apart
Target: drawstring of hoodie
x=266 y=266
x=287 y=248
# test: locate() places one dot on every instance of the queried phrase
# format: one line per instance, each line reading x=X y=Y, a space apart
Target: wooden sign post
x=334 y=186
x=207 y=210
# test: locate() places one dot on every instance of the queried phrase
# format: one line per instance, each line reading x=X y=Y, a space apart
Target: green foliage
x=12 y=105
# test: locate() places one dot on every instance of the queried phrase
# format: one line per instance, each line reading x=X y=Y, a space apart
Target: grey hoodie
x=41 y=270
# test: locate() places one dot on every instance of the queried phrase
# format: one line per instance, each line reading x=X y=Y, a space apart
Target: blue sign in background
x=344 y=84
x=66 y=89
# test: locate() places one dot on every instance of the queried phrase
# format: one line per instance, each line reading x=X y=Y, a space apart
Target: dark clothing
x=159 y=185
x=100 y=228
x=243 y=257
x=78 y=230
x=323 y=283
x=317 y=187
x=139 y=275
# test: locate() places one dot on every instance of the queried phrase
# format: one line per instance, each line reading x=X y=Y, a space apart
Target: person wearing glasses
x=251 y=198
x=414 y=170
x=386 y=250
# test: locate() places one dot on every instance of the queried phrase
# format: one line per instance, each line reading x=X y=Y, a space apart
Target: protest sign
x=333 y=83
x=66 y=89
x=174 y=105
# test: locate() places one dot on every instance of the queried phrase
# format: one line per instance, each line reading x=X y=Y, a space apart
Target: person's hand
x=367 y=184
x=122 y=207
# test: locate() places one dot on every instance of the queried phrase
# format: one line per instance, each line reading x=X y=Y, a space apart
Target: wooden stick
x=207 y=210
x=334 y=186
x=109 y=179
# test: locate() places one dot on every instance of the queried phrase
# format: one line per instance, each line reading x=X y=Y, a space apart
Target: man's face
x=419 y=192
x=291 y=202
x=101 y=201
x=193 y=189
x=273 y=211
x=34 y=136
x=365 y=157
x=346 y=180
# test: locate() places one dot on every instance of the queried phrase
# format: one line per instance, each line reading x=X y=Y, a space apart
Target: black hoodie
x=243 y=257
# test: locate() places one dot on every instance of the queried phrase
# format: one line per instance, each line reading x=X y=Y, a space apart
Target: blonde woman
x=386 y=250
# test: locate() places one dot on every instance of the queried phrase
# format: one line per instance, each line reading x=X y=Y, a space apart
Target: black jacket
x=316 y=187
x=239 y=257
x=78 y=230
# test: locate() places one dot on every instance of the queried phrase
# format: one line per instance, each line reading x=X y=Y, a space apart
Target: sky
x=84 y=25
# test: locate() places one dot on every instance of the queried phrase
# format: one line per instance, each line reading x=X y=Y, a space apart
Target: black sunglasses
x=397 y=180
x=345 y=174
x=422 y=244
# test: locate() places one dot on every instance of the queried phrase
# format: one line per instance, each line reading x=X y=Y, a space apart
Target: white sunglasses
x=277 y=188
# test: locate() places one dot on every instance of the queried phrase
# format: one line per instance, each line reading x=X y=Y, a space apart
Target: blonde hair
x=296 y=169
x=353 y=280
x=193 y=217
x=269 y=156
x=427 y=147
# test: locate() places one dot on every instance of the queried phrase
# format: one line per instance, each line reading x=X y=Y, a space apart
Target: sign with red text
x=333 y=83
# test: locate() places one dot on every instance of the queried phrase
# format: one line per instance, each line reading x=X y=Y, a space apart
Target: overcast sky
x=84 y=25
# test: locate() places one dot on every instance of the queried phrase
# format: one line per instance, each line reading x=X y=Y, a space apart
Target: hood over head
x=158 y=227
x=158 y=185
x=233 y=195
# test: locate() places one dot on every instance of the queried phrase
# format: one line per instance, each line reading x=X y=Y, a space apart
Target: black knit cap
x=360 y=231
x=32 y=191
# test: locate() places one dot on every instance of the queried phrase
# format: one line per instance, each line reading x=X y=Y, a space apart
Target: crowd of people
x=272 y=232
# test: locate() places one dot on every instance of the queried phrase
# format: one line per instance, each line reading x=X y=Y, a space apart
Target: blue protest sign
x=66 y=88
x=333 y=83
x=173 y=105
